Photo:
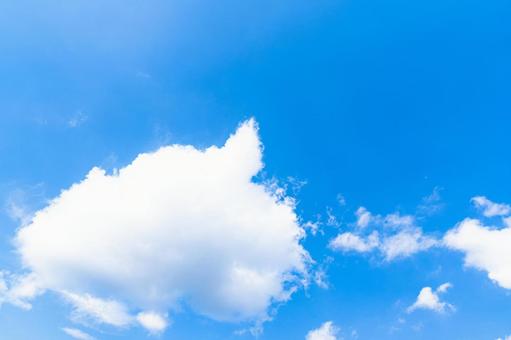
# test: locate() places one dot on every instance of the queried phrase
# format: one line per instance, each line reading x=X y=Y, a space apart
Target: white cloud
x=396 y=220
x=351 y=242
x=327 y=331
x=99 y=310
x=152 y=321
x=321 y=279
x=405 y=243
x=399 y=236
x=331 y=219
x=486 y=248
x=77 y=334
x=364 y=217
x=444 y=287
x=176 y=226
x=489 y=208
x=429 y=299
x=18 y=290
x=431 y=204
x=312 y=226
x=505 y=338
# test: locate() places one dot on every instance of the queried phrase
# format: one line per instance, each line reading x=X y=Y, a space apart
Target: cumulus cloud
x=485 y=247
x=429 y=299
x=77 y=334
x=327 y=331
x=393 y=236
x=176 y=226
x=489 y=208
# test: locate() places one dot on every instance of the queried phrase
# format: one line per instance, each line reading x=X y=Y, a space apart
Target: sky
x=315 y=170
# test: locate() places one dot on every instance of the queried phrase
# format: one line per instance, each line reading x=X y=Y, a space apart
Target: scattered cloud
x=327 y=331
x=18 y=211
x=312 y=227
x=331 y=219
x=489 y=208
x=78 y=119
x=431 y=204
x=154 y=322
x=341 y=199
x=406 y=243
x=393 y=235
x=364 y=217
x=77 y=334
x=320 y=276
x=321 y=279
x=396 y=220
x=144 y=223
x=505 y=338
x=18 y=290
x=87 y=307
x=429 y=299
x=21 y=203
x=351 y=242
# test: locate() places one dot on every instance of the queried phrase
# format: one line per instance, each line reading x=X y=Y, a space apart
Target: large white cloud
x=486 y=248
x=179 y=225
x=486 y=245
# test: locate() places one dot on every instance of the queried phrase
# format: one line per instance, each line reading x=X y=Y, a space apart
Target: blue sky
x=398 y=107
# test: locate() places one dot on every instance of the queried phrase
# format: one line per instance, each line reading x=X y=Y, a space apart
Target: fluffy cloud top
x=429 y=299
x=486 y=248
x=179 y=225
x=327 y=331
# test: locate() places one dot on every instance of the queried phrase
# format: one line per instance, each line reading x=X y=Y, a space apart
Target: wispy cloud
x=490 y=208
x=393 y=235
x=78 y=119
x=77 y=334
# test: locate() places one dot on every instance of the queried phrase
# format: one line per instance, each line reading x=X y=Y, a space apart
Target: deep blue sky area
x=382 y=102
